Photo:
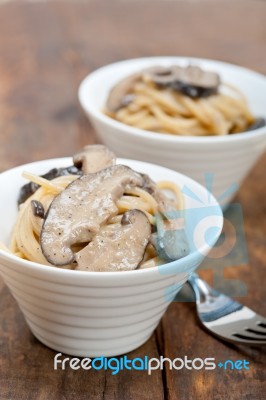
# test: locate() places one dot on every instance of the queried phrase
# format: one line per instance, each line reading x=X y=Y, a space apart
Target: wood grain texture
x=45 y=51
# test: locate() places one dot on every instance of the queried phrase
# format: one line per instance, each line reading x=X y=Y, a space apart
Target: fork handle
x=201 y=289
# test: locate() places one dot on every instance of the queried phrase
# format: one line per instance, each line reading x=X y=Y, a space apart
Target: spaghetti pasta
x=163 y=108
x=25 y=241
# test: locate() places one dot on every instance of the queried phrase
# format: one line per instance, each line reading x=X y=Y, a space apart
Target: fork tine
x=252 y=335
x=226 y=318
x=236 y=339
x=257 y=324
x=261 y=324
x=256 y=331
x=246 y=337
x=261 y=319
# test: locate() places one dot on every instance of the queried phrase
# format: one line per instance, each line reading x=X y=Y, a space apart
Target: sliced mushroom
x=93 y=158
x=117 y=247
x=162 y=76
x=27 y=190
x=192 y=80
x=78 y=212
x=119 y=94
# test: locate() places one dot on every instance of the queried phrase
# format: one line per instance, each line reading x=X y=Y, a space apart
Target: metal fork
x=226 y=318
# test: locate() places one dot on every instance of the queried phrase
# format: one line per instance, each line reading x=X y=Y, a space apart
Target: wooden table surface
x=46 y=49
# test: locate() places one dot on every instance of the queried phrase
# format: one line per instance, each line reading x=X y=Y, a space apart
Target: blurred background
x=47 y=47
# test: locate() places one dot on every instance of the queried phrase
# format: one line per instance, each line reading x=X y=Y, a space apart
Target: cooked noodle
x=165 y=110
x=25 y=240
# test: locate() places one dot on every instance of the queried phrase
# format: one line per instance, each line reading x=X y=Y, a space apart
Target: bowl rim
x=30 y=265
x=141 y=133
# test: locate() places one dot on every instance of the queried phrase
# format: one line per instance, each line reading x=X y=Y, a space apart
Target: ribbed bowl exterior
x=91 y=317
x=90 y=314
x=227 y=162
x=218 y=162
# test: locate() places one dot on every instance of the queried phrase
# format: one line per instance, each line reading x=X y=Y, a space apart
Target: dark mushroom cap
x=37 y=209
x=192 y=80
x=29 y=188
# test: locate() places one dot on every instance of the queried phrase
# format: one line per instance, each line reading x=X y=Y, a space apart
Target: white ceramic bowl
x=221 y=161
x=100 y=313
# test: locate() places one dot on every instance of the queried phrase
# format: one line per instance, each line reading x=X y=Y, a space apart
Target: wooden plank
x=39 y=101
x=27 y=372
x=45 y=51
x=48 y=123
